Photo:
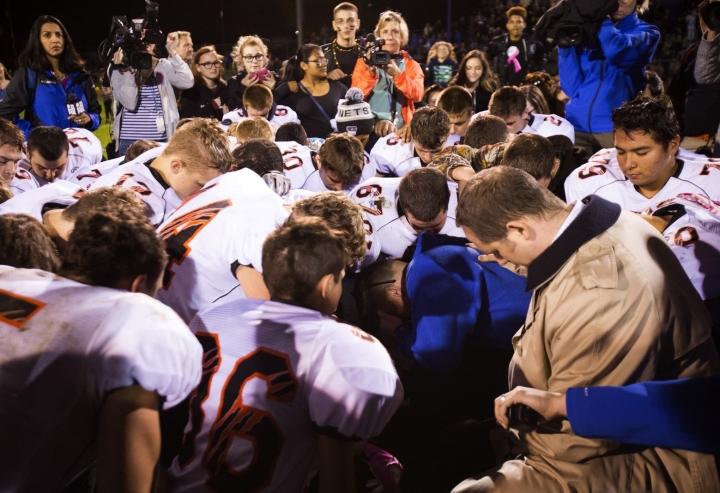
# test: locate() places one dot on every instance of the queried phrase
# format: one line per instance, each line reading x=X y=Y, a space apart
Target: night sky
x=89 y=21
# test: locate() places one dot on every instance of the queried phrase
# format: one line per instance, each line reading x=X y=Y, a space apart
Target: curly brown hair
x=24 y=243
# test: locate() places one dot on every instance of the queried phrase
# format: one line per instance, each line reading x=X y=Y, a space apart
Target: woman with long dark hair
x=51 y=75
x=307 y=90
x=207 y=97
x=475 y=75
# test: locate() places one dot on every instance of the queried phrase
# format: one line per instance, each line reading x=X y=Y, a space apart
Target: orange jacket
x=409 y=82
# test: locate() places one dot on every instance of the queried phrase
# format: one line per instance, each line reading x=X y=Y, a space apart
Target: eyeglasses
x=258 y=58
x=319 y=61
x=209 y=65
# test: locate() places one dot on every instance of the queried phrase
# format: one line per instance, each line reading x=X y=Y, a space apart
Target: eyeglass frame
x=212 y=64
x=258 y=58
x=320 y=61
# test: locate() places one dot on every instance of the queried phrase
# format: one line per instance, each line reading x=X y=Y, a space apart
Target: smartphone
x=260 y=74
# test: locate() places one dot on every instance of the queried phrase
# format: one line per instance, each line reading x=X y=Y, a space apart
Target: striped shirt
x=142 y=123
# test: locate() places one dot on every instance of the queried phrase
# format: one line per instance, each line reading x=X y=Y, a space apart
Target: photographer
x=149 y=107
x=51 y=74
x=391 y=89
x=600 y=75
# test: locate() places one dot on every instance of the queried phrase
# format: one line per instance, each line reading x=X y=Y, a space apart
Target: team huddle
x=201 y=279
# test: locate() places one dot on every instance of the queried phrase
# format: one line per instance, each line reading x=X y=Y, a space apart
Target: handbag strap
x=315 y=101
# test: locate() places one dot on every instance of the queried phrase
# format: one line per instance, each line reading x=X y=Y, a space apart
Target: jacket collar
x=628 y=22
x=596 y=218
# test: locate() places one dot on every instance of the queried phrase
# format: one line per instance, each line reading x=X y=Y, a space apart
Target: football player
x=647 y=165
x=197 y=153
x=12 y=142
x=286 y=387
x=46 y=160
x=397 y=210
x=214 y=241
x=26 y=244
x=89 y=359
x=341 y=165
x=259 y=102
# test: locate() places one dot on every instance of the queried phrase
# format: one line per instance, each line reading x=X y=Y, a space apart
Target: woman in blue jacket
x=51 y=74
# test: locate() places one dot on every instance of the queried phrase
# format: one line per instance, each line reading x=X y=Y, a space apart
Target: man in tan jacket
x=611 y=305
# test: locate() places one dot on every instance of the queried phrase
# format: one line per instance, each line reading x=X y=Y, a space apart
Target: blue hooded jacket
x=602 y=75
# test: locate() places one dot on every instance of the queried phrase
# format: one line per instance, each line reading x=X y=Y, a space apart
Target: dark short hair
x=517 y=10
x=11 y=135
x=298 y=255
x=291 y=132
x=456 y=100
x=343 y=155
x=339 y=213
x=507 y=101
x=139 y=147
x=49 y=142
x=257 y=96
x=654 y=83
x=501 y=194
x=106 y=248
x=531 y=153
x=424 y=193
x=654 y=117
x=486 y=130
x=429 y=90
x=24 y=243
x=258 y=155
x=344 y=6
x=430 y=127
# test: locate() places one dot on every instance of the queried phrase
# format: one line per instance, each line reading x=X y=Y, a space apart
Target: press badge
x=160 y=123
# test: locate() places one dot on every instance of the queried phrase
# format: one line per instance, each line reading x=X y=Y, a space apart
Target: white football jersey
x=84 y=149
x=602 y=176
x=314 y=183
x=23 y=181
x=394 y=158
x=694 y=237
x=297 y=162
x=65 y=346
x=388 y=231
x=87 y=175
x=282 y=114
x=147 y=183
x=273 y=375
x=211 y=234
x=549 y=125
x=60 y=192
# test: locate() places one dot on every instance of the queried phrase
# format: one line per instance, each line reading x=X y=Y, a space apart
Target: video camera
x=710 y=13
x=379 y=57
x=130 y=38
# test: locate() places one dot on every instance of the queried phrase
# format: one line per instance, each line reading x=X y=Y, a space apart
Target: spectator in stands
x=344 y=51
x=4 y=80
x=600 y=76
x=307 y=90
x=431 y=95
x=50 y=70
x=707 y=74
x=185 y=46
x=515 y=54
x=206 y=99
x=536 y=102
x=548 y=85
x=12 y=142
x=650 y=318
x=251 y=58
x=391 y=90
x=149 y=106
x=441 y=64
x=475 y=75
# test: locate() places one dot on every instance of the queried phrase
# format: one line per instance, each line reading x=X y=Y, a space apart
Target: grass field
x=103 y=133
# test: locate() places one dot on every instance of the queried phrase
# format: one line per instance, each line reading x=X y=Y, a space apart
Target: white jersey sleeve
x=694 y=238
x=284 y=114
x=84 y=150
x=549 y=125
x=137 y=176
x=86 y=176
x=33 y=202
x=23 y=181
x=392 y=158
x=297 y=162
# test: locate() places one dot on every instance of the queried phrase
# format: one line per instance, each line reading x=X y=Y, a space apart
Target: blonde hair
x=242 y=42
x=434 y=49
x=390 y=16
x=200 y=142
x=253 y=127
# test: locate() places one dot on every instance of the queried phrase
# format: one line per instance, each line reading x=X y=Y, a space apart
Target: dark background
x=89 y=21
